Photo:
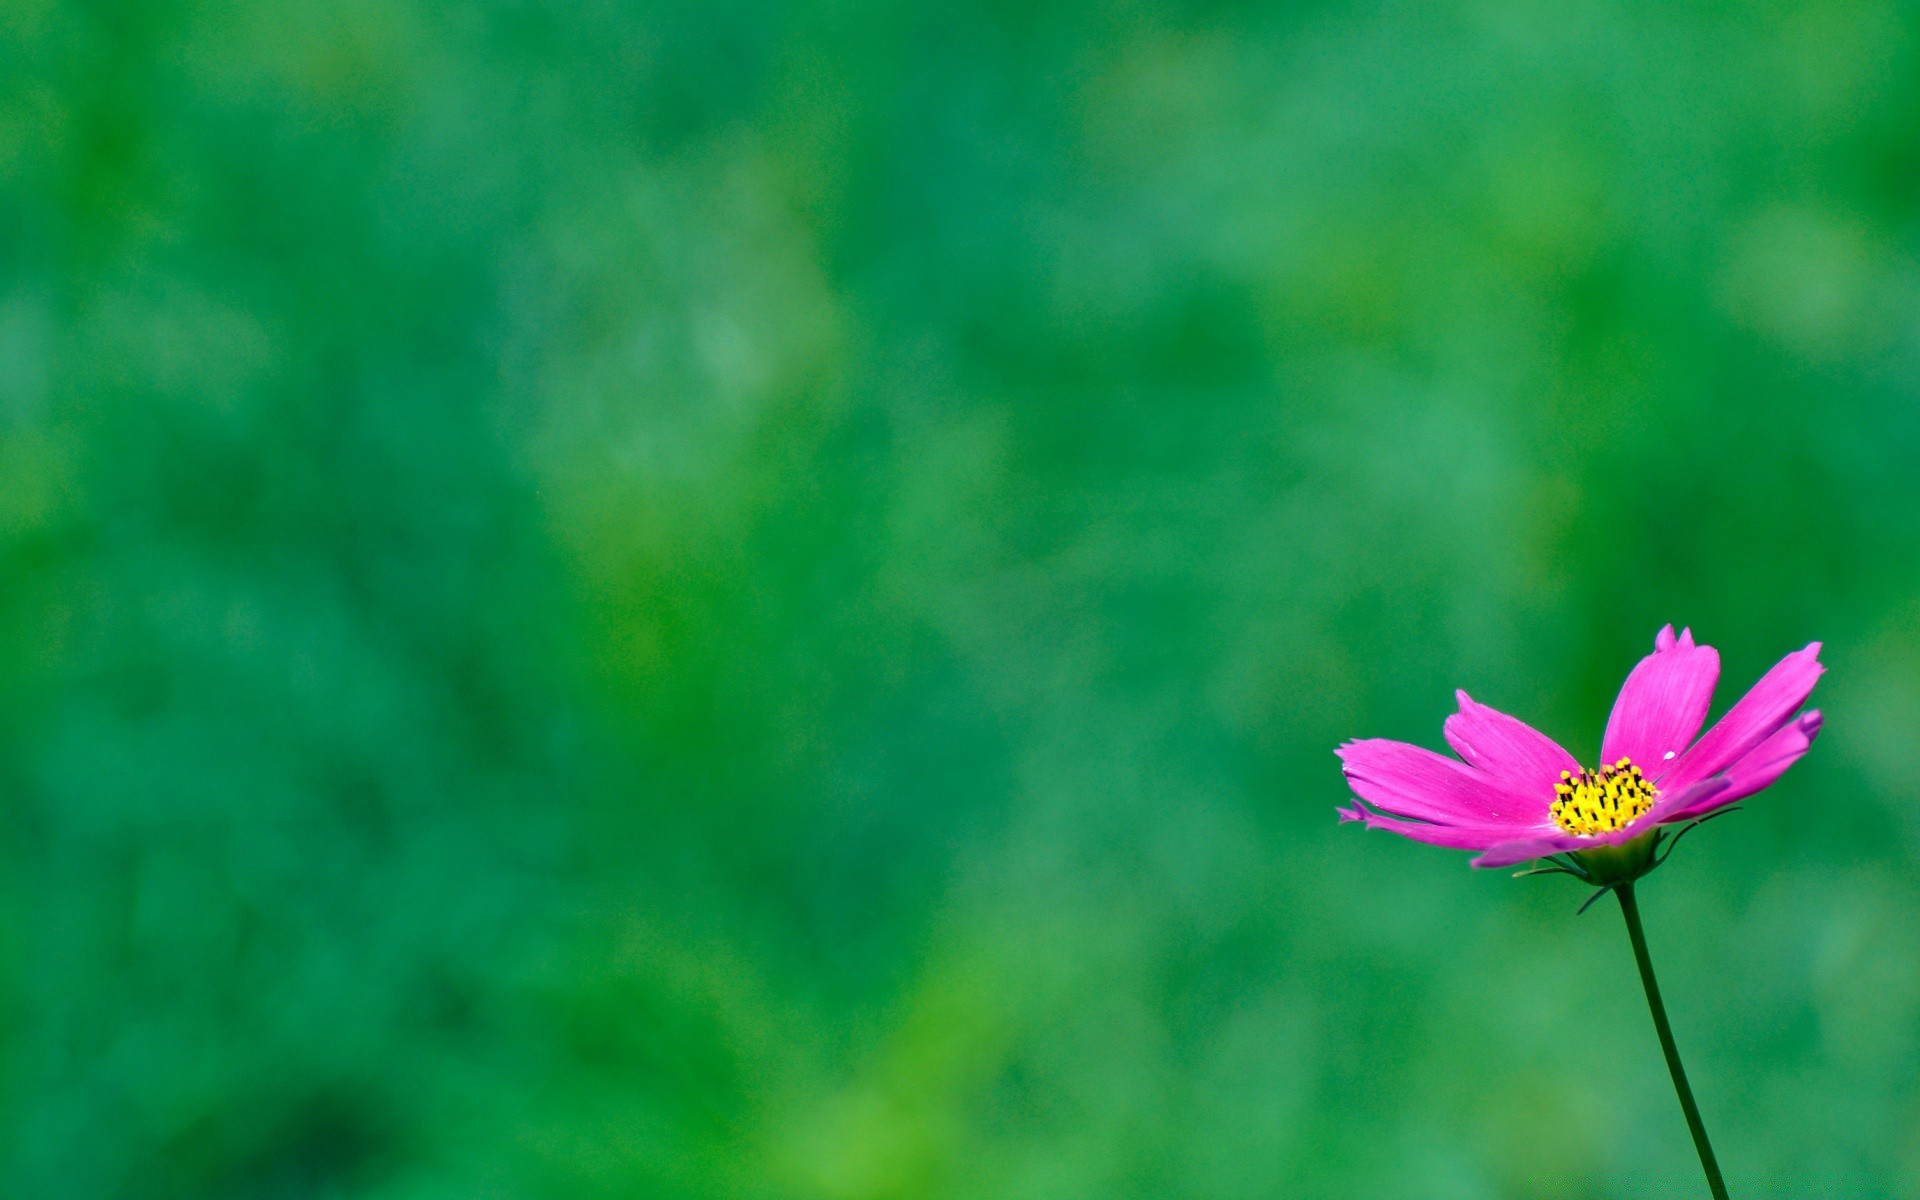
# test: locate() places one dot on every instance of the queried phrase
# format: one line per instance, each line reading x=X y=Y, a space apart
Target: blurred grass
x=752 y=600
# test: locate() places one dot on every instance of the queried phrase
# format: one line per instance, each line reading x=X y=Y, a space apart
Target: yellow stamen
x=1601 y=800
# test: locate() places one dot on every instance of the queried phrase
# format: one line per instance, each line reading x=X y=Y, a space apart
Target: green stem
x=1631 y=909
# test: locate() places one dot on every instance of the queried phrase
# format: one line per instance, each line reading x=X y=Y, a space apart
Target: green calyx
x=1609 y=866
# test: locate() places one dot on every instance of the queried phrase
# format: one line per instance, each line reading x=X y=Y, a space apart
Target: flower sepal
x=1613 y=865
x=1607 y=867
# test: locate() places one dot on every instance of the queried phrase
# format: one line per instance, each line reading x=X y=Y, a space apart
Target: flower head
x=1514 y=794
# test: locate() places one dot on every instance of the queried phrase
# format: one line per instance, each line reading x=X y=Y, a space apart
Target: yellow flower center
x=1601 y=800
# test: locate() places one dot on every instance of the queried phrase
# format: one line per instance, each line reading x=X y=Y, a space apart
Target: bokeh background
x=716 y=598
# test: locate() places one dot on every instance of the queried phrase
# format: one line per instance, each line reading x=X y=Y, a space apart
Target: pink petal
x=1666 y=809
x=1455 y=837
x=1408 y=781
x=1541 y=844
x=1520 y=850
x=1663 y=703
x=1764 y=764
x=1757 y=716
x=1506 y=748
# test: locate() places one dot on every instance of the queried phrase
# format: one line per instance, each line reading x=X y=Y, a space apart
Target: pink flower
x=1517 y=795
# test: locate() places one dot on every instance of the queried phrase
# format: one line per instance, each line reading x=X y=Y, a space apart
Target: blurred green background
x=733 y=599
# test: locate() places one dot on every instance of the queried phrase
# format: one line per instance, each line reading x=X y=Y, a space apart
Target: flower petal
x=1540 y=844
x=1455 y=837
x=1509 y=749
x=1764 y=764
x=1663 y=703
x=1667 y=809
x=1520 y=850
x=1757 y=716
x=1408 y=781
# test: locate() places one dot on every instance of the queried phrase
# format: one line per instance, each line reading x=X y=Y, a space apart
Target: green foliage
x=752 y=600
